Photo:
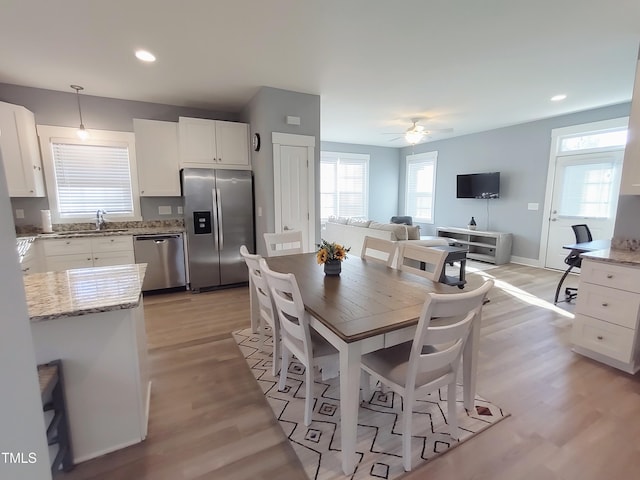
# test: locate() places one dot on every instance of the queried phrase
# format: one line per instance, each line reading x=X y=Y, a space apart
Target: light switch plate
x=164 y=210
x=19 y=213
x=533 y=206
x=180 y=210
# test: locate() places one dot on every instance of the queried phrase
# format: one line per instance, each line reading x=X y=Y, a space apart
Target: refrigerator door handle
x=215 y=219
x=221 y=243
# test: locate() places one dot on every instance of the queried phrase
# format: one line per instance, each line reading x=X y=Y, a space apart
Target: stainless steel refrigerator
x=219 y=219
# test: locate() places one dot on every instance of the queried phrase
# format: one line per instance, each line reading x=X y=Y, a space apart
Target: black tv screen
x=478 y=185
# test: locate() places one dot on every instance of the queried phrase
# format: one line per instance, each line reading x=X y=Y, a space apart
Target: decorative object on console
x=331 y=255
x=82 y=133
x=472 y=224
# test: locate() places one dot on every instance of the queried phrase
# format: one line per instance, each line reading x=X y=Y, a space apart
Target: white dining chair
x=265 y=308
x=297 y=338
x=378 y=250
x=424 y=261
x=413 y=369
x=283 y=243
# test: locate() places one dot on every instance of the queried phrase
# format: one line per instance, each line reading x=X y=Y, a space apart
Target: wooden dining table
x=369 y=306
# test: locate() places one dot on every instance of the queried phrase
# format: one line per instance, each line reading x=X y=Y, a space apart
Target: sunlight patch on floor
x=525 y=296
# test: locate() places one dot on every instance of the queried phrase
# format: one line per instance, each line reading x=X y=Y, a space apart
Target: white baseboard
x=530 y=262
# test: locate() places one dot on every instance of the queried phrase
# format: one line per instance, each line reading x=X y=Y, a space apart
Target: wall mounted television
x=478 y=185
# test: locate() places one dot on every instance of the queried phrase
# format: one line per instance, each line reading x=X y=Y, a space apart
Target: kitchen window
x=421 y=185
x=344 y=182
x=85 y=176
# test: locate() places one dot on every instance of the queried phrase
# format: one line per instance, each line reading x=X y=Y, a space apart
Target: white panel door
x=585 y=190
x=294 y=185
x=294 y=205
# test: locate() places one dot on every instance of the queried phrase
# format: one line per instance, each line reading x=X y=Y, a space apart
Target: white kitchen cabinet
x=213 y=143
x=630 y=183
x=606 y=322
x=20 y=151
x=31 y=261
x=101 y=251
x=157 y=158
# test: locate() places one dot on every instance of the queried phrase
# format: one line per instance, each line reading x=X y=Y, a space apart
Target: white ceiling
x=469 y=65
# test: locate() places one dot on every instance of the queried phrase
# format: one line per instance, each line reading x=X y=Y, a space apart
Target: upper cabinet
x=213 y=143
x=20 y=151
x=157 y=158
x=630 y=184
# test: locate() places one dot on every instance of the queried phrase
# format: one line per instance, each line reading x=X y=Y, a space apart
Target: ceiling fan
x=417 y=133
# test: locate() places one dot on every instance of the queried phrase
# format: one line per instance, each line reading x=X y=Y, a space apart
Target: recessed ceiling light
x=558 y=98
x=145 y=56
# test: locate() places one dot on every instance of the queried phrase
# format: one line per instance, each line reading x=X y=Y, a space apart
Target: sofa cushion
x=356 y=222
x=340 y=220
x=399 y=231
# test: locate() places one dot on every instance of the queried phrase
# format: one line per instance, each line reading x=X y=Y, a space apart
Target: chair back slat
x=284 y=243
x=378 y=250
x=286 y=296
x=435 y=347
x=413 y=257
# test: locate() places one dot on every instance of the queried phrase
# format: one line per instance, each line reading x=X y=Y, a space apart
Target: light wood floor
x=572 y=418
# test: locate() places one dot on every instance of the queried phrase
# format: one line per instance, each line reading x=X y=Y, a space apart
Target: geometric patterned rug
x=379 y=443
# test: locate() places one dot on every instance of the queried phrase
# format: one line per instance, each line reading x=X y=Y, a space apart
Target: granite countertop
x=112 y=232
x=612 y=255
x=82 y=291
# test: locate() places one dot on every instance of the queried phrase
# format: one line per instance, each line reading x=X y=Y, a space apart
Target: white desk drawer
x=66 y=246
x=614 y=306
x=610 y=275
x=605 y=338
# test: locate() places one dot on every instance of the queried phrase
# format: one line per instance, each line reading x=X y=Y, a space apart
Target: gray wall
x=521 y=154
x=384 y=179
x=266 y=112
x=60 y=108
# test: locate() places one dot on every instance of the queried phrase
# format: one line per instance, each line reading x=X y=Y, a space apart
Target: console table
x=492 y=247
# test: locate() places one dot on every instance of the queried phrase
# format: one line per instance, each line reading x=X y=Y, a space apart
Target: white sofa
x=350 y=233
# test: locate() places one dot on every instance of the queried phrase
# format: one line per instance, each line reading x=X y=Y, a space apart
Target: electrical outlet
x=259 y=211
x=180 y=210
x=19 y=213
x=164 y=210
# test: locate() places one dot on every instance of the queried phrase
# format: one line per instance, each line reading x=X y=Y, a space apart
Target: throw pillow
x=413 y=232
x=356 y=222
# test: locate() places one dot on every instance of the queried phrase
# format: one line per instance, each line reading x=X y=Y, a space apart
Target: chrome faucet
x=100 y=221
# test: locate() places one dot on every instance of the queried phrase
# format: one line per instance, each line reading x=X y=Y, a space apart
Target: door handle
x=221 y=234
x=214 y=219
x=554 y=219
x=285 y=228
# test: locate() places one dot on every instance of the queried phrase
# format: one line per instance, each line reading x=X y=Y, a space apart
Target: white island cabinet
x=608 y=309
x=92 y=319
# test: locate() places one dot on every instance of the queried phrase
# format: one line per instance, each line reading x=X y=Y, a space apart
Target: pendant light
x=82 y=133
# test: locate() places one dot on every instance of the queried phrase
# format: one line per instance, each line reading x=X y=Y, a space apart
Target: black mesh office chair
x=574 y=260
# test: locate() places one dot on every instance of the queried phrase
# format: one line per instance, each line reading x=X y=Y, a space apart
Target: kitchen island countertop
x=82 y=291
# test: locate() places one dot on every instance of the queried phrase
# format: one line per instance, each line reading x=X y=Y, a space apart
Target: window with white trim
x=86 y=176
x=344 y=185
x=420 y=186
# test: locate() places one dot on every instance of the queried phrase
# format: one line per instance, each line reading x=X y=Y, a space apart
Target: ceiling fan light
x=413 y=137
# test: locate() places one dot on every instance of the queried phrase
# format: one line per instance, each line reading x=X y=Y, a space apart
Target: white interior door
x=585 y=190
x=294 y=186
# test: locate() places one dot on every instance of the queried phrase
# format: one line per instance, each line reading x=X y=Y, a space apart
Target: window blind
x=344 y=182
x=421 y=174
x=92 y=177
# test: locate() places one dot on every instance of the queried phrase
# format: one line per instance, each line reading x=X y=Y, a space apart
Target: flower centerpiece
x=331 y=255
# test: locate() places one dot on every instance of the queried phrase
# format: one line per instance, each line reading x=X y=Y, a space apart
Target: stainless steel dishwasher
x=164 y=256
